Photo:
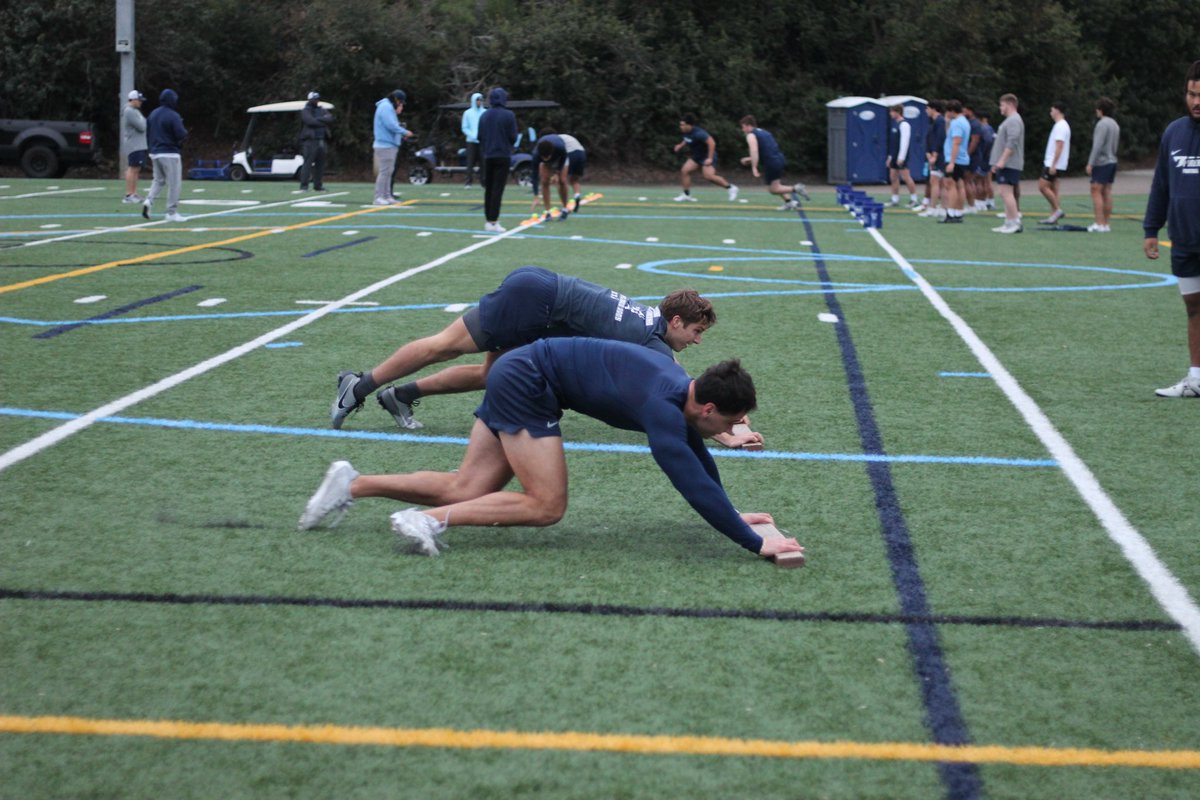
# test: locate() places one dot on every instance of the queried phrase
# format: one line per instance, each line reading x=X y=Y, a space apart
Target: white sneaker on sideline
x=173 y=217
x=418 y=531
x=684 y=198
x=1009 y=227
x=332 y=497
x=381 y=201
x=1188 y=387
x=733 y=190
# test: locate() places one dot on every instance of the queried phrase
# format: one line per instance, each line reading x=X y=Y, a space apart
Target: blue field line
x=964 y=374
x=116 y=312
x=594 y=447
x=943 y=714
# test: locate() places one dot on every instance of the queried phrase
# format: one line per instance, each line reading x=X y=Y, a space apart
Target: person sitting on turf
x=531 y=303
x=517 y=433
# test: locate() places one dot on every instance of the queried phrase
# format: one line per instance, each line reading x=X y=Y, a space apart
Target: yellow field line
x=75 y=273
x=446 y=738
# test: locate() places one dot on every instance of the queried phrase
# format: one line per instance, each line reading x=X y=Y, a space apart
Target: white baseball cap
x=136 y=95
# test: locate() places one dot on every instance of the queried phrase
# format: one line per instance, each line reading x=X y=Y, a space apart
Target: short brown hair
x=1106 y=106
x=689 y=306
x=749 y=120
x=1011 y=99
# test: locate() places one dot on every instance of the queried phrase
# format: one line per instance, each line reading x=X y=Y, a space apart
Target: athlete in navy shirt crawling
x=517 y=433
x=702 y=155
x=531 y=303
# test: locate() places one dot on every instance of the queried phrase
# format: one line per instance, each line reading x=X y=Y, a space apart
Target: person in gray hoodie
x=165 y=134
x=134 y=125
x=470 y=129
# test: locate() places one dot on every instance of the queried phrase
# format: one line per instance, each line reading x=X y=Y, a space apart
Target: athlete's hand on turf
x=1150 y=247
x=741 y=439
x=757 y=518
x=784 y=544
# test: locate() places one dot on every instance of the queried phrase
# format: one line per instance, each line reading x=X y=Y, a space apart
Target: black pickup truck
x=44 y=148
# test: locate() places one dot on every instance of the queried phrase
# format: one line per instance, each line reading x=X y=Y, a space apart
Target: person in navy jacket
x=165 y=134
x=1175 y=200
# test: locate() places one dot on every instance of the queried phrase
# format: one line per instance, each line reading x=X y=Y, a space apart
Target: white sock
x=895 y=198
x=1194 y=372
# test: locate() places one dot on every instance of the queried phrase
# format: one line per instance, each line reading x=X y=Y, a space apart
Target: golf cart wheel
x=237 y=173
x=523 y=175
x=419 y=174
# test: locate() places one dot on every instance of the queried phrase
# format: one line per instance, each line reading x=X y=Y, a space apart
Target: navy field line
x=54 y=436
x=1170 y=594
x=595 y=447
x=943 y=716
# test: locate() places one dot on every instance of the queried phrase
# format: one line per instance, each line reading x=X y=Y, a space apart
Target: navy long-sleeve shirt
x=1175 y=190
x=636 y=389
x=497 y=127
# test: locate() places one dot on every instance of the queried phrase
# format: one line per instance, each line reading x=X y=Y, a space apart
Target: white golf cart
x=274 y=129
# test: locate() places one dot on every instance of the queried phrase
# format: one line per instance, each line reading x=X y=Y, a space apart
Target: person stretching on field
x=516 y=434
x=531 y=303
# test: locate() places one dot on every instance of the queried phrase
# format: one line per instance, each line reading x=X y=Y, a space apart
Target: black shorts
x=1009 y=176
x=137 y=158
x=517 y=313
x=1046 y=176
x=1185 y=264
x=518 y=398
x=576 y=163
x=960 y=170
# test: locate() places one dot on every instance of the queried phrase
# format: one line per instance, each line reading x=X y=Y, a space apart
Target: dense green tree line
x=624 y=70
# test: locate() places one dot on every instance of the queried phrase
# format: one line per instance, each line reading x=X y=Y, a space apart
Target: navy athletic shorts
x=576 y=162
x=517 y=313
x=519 y=399
x=772 y=172
x=137 y=158
x=1105 y=173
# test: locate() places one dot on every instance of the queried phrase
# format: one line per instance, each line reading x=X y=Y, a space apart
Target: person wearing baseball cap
x=314 y=135
x=134 y=125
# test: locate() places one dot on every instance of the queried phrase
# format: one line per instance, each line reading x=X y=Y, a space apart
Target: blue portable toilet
x=857 y=140
x=914 y=113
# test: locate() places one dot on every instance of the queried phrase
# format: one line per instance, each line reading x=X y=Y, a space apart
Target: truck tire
x=40 y=161
x=237 y=173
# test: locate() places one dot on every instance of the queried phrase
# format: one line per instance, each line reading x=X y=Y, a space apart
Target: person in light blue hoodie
x=470 y=129
x=388 y=135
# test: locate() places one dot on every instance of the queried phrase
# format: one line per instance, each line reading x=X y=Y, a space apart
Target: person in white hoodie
x=470 y=129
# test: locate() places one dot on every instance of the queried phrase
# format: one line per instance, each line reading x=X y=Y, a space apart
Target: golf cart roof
x=287 y=105
x=515 y=105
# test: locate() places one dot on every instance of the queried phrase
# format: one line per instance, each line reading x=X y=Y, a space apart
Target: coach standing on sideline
x=1175 y=199
x=497 y=132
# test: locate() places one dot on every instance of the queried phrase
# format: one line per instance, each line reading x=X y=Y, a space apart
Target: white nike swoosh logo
x=1180 y=150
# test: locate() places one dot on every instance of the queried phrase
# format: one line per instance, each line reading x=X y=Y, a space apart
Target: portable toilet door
x=918 y=120
x=857 y=143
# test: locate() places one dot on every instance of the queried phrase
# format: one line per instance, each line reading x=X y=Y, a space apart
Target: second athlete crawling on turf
x=531 y=303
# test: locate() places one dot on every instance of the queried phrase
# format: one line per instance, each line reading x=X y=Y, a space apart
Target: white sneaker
x=493 y=227
x=176 y=218
x=1188 y=387
x=1053 y=218
x=1009 y=227
x=684 y=198
x=926 y=211
x=381 y=201
x=132 y=198
x=331 y=498
x=733 y=190
x=790 y=205
x=801 y=190
x=418 y=531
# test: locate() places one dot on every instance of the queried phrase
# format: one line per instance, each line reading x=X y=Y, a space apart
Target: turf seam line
x=943 y=716
x=585 y=609
x=1166 y=589
x=55 y=435
x=125 y=309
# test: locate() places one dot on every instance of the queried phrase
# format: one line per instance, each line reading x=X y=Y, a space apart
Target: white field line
x=161 y=221
x=50 y=193
x=52 y=437
x=1164 y=586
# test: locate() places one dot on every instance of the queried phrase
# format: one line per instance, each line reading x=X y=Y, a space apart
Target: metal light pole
x=125 y=52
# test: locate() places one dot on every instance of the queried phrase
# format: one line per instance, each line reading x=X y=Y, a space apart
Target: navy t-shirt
x=628 y=387
x=697 y=142
x=588 y=309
